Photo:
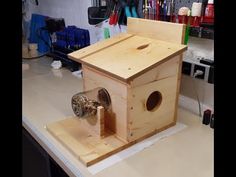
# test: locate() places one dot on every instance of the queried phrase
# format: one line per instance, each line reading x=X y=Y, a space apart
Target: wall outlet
x=189 y=68
x=201 y=68
x=204 y=68
x=211 y=75
x=186 y=68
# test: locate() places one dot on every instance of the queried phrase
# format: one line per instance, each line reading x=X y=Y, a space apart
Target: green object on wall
x=186 y=35
x=187 y=28
x=106 y=33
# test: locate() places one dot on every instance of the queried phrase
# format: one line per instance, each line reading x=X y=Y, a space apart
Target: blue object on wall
x=73 y=37
x=37 y=35
x=87 y=37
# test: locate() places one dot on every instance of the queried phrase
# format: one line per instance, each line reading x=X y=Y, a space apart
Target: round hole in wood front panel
x=153 y=101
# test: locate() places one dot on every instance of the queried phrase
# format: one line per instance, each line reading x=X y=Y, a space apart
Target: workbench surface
x=46 y=98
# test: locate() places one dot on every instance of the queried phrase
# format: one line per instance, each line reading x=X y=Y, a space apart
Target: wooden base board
x=87 y=147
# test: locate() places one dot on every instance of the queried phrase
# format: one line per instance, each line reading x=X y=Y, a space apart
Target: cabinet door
x=35 y=161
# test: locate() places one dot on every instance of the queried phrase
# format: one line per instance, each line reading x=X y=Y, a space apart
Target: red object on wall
x=195 y=21
x=183 y=19
x=209 y=13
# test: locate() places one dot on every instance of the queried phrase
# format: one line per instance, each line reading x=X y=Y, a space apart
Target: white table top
x=46 y=98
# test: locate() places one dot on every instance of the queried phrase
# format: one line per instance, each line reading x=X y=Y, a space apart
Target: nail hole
x=129 y=68
x=131 y=108
x=142 y=46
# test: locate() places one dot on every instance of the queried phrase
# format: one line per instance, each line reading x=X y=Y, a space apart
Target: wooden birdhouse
x=141 y=72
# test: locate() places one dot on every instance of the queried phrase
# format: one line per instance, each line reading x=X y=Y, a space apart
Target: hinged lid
x=127 y=56
x=147 y=44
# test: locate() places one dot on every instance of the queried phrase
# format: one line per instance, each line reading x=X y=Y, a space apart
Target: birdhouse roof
x=127 y=56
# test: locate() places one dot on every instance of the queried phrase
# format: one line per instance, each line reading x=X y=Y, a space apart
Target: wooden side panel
x=95 y=124
x=79 y=54
x=117 y=120
x=166 y=31
x=179 y=73
x=143 y=122
x=164 y=70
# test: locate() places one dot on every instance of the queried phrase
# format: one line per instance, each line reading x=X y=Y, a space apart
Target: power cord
x=38 y=33
x=197 y=73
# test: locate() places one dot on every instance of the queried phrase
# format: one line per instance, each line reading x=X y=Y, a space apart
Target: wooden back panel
x=166 y=31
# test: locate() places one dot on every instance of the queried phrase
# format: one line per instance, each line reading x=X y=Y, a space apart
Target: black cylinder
x=206 y=117
x=212 y=121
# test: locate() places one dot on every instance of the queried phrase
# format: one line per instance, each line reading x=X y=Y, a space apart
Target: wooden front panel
x=143 y=122
x=117 y=121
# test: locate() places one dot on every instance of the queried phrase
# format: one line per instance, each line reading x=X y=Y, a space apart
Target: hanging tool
x=113 y=16
x=133 y=11
x=122 y=19
x=168 y=12
x=145 y=10
x=165 y=10
x=172 y=15
x=127 y=12
x=140 y=9
x=115 y=20
x=118 y=13
x=149 y=10
x=157 y=10
x=130 y=9
x=161 y=10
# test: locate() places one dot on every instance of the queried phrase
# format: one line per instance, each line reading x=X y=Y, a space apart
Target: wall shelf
x=203 y=31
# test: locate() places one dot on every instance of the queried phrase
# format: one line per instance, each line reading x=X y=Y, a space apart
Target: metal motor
x=85 y=104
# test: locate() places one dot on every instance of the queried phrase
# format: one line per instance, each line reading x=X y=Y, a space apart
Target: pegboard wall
x=183 y=3
x=177 y=3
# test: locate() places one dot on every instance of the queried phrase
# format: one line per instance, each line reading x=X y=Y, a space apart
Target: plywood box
x=141 y=71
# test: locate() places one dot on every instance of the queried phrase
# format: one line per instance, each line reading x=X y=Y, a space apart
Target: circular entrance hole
x=153 y=101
